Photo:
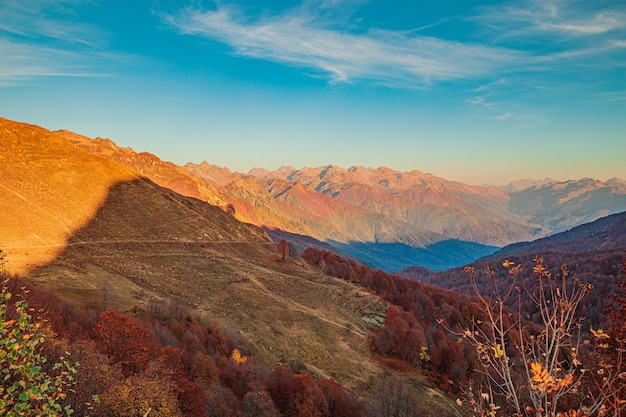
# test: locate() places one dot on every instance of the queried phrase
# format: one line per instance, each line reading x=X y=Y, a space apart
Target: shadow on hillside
x=438 y=256
x=144 y=240
x=142 y=210
x=301 y=242
x=392 y=257
x=148 y=248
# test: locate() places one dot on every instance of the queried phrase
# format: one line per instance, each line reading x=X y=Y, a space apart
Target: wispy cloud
x=484 y=87
x=22 y=63
x=560 y=35
x=619 y=43
x=600 y=23
x=505 y=116
x=479 y=101
x=612 y=95
x=303 y=40
x=557 y=17
x=491 y=106
x=566 y=42
x=38 y=40
x=41 y=19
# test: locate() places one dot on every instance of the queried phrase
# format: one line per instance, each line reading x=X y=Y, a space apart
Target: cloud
x=45 y=20
x=484 y=87
x=491 y=106
x=40 y=39
x=611 y=95
x=505 y=116
x=22 y=62
x=601 y=23
x=568 y=40
x=564 y=18
x=305 y=41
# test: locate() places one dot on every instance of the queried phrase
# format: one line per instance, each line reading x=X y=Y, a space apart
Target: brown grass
x=83 y=226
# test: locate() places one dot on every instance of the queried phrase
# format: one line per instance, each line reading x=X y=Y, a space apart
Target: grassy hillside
x=83 y=226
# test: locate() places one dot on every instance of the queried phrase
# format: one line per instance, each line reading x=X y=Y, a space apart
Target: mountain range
x=383 y=217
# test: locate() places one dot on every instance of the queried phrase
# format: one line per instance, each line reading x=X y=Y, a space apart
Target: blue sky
x=479 y=92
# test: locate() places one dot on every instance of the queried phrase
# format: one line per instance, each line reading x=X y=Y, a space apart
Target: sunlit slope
x=161 y=172
x=299 y=208
x=422 y=201
x=50 y=188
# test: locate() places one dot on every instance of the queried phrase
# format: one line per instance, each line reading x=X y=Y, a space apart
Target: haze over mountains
x=388 y=219
x=604 y=234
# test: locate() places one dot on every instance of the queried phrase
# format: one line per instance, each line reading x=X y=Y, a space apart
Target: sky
x=479 y=92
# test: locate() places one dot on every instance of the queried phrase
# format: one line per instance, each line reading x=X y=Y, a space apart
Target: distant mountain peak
x=522 y=184
x=615 y=180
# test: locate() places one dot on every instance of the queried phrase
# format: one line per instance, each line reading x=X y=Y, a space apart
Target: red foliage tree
x=126 y=341
x=243 y=376
x=384 y=341
x=258 y=403
x=616 y=308
x=203 y=369
x=615 y=347
x=281 y=387
x=296 y=395
x=340 y=404
x=190 y=395
x=220 y=402
x=308 y=400
x=283 y=250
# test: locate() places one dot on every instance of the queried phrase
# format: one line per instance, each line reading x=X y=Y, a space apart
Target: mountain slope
x=372 y=222
x=607 y=233
x=163 y=173
x=592 y=251
x=561 y=205
x=49 y=189
x=423 y=201
x=388 y=218
x=97 y=233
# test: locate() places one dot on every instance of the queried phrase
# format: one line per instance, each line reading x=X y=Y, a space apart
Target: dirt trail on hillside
x=299 y=307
